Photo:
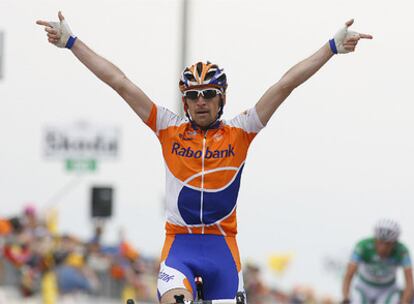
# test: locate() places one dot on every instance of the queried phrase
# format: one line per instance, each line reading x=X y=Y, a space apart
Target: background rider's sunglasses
x=206 y=93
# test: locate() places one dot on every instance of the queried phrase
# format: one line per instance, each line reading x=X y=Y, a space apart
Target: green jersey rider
x=375 y=262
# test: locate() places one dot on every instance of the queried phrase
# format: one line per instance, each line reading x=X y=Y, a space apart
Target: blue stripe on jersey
x=216 y=205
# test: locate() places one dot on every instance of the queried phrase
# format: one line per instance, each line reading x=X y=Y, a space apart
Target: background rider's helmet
x=203 y=75
x=387 y=230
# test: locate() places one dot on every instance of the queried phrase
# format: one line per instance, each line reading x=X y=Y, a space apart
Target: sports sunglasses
x=206 y=93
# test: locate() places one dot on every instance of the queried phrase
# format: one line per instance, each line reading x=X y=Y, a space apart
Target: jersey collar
x=214 y=125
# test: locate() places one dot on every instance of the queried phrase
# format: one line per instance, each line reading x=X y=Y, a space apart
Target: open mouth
x=201 y=112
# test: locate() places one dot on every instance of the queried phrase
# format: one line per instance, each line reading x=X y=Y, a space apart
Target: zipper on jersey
x=202 y=180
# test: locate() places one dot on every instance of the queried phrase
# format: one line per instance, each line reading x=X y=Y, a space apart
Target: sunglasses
x=206 y=93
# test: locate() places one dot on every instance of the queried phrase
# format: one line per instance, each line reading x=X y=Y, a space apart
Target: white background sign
x=80 y=140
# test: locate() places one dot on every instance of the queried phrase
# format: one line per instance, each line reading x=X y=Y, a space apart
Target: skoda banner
x=80 y=145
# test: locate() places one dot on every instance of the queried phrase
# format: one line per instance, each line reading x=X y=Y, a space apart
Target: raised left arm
x=344 y=41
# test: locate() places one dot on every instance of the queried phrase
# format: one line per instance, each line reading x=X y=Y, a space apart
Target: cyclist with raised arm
x=204 y=159
x=375 y=261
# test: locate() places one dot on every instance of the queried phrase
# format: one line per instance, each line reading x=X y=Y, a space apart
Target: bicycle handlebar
x=179 y=299
x=130 y=301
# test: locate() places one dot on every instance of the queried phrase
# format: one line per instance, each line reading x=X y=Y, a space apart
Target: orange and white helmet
x=203 y=74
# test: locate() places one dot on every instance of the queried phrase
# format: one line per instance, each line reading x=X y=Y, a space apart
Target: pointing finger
x=44 y=23
x=365 y=36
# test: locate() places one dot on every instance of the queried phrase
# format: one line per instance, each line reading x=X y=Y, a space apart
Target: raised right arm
x=115 y=78
x=101 y=67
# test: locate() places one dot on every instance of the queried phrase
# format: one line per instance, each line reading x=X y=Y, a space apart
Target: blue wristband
x=70 y=42
x=333 y=46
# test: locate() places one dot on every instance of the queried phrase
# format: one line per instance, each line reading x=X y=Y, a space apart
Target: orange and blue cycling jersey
x=203 y=173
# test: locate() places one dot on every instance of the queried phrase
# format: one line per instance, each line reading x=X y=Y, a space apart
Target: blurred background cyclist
x=375 y=261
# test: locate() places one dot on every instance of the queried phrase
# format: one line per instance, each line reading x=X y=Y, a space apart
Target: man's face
x=203 y=109
x=384 y=248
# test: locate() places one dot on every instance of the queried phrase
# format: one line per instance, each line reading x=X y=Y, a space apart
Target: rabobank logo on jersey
x=177 y=149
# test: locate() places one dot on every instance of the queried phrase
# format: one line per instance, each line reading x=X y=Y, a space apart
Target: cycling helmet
x=203 y=74
x=387 y=230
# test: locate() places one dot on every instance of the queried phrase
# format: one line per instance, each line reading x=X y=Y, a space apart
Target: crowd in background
x=38 y=260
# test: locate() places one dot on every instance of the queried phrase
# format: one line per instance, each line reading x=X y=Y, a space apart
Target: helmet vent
x=189 y=76
x=199 y=68
x=222 y=78
x=210 y=74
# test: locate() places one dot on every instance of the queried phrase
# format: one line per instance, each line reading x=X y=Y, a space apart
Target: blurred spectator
x=71 y=279
x=302 y=295
x=5 y=227
x=257 y=291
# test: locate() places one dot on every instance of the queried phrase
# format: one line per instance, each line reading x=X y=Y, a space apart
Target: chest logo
x=178 y=150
